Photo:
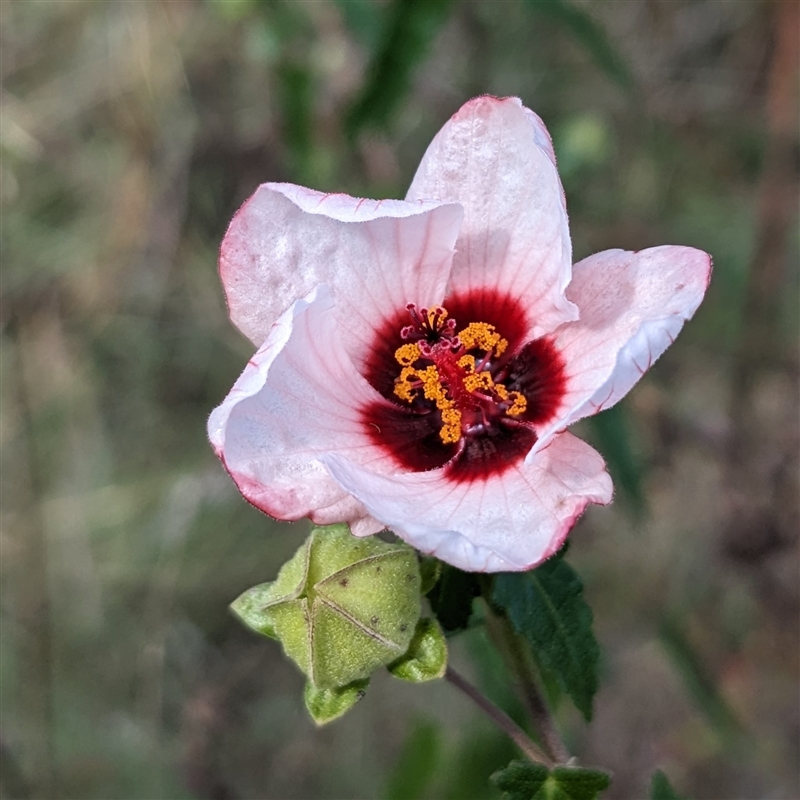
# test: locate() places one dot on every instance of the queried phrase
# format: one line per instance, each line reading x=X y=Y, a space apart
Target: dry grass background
x=130 y=132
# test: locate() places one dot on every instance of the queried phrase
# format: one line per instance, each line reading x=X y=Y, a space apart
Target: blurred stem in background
x=410 y=28
x=754 y=526
x=33 y=592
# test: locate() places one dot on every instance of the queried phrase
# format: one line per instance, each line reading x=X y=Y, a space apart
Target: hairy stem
x=519 y=662
x=499 y=718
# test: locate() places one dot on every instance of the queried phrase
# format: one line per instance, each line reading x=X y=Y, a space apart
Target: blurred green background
x=130 y=132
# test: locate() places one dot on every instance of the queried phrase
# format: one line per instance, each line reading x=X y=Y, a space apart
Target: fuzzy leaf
x=547 y=608
x=522 y=780
x=426 y=658
x=576 y=783
x=326 y=705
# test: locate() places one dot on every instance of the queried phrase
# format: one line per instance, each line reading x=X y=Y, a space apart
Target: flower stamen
x=457 y=383
x=483 y=336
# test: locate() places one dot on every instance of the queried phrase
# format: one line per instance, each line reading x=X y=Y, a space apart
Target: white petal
x=505 y=523
x=299 y=397
x=376 y=255
x=632 y=307
x=496 y=158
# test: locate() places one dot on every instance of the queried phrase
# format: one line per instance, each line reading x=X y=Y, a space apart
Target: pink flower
x=420 y=360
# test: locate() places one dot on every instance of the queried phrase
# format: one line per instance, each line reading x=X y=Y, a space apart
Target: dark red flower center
x=463 y=395
x=454 y=374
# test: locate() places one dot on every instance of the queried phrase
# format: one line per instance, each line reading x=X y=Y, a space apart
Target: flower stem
x=507 y=639
x=499 y=718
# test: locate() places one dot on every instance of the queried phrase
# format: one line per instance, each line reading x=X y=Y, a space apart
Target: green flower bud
x=341 y=607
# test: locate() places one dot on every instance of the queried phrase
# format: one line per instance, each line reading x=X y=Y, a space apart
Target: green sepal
x=326 y=705
x=291 y=621
x=523 y=780
x=253 y=606
x=252 y=609
x=430 y=570
x=426 y=658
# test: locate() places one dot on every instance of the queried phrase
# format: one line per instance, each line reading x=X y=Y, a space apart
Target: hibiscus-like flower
x=419 y=360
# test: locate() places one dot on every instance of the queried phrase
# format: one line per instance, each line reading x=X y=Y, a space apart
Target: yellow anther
x=519 y=404
x=451 y=430
x=432 y=385
x=478 y=380
x=407 y=354
x=467 y=362
x=403 y=387
x=475 y=336
x=483 y=336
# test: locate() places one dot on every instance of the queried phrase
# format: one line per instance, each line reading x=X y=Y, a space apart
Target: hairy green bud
x=341 y=607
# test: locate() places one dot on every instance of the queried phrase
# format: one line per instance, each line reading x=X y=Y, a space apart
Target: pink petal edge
x=376 y=256
x=633 y=305
x=509 y=522
x=298 y=398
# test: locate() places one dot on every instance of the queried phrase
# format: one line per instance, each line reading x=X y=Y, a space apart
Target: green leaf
x=613 y=437
x=411 y=27
x=416 y=766
x=426 y=658
x=451 y=598
x=576 y=783
x=591 y=35
x=522 y=780
x=326 y=705
x=660 y=788
x=547 y=608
